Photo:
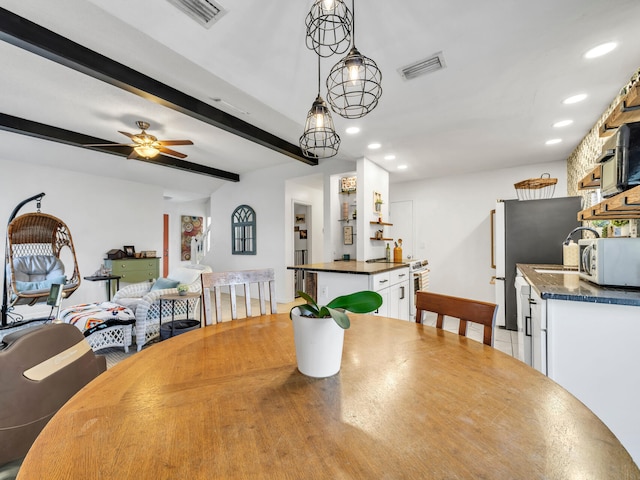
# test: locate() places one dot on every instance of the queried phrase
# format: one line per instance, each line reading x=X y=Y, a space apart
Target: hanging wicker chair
x=35 y=242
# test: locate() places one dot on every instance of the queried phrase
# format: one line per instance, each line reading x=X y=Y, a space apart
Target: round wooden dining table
x=410 y=401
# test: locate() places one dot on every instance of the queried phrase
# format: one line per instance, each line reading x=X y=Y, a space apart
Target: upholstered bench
x=103 y=324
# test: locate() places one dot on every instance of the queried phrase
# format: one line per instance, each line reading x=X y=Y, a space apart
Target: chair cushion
x=42 y=285
x=36 y=268
x=130 y=302
x=164 y=283
x=185 y=275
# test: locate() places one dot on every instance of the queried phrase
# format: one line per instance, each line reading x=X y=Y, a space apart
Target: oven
x=418 y=280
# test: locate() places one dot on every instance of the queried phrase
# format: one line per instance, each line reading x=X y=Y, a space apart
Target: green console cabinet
x=134 y=270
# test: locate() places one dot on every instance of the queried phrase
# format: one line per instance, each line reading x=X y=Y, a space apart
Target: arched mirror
x=243 y=231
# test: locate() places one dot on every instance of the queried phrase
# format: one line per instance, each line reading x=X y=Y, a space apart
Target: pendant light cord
x=318 y=64
x=318 y=75
x=353 y=25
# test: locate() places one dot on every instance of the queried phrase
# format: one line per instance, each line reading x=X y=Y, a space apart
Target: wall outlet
x=324 y=292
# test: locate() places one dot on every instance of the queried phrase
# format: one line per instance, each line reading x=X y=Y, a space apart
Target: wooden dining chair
x=216 y=281
x=463 y=309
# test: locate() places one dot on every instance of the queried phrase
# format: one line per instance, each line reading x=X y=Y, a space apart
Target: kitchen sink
x=556 y=270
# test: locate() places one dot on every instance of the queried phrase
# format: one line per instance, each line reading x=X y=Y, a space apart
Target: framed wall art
x=347 y=235
x=189 y=227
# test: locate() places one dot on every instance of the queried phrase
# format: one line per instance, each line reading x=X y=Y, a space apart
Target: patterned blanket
x=91 y=317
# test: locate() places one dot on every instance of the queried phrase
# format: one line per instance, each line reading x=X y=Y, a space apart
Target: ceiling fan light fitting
x=146 y=151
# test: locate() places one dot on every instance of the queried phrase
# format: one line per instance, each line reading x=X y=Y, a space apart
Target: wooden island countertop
x=351 y=266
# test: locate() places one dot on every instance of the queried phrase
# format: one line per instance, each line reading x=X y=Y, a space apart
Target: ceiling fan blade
x=173 y=153
x=107 y=145
x=175 y=142
x=132 y=155
x=130 y=135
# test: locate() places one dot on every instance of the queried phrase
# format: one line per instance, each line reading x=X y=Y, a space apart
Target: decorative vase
x=318 y=344
x=182 y=292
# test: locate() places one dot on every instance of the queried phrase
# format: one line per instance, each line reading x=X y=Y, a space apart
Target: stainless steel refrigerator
x=528 y=231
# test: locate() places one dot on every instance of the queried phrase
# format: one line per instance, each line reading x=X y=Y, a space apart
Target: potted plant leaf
x=319 y=330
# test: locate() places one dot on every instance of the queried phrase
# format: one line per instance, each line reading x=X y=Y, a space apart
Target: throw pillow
x=164 y=283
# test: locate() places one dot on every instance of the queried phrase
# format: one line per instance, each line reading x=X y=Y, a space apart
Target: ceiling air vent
x=433 y=63
x=205 y=12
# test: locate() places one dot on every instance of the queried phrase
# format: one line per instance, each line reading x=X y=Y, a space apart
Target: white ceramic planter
x=318 y=345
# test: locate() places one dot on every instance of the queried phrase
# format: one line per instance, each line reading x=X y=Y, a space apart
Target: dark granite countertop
x=351 y=266
x=563 y=285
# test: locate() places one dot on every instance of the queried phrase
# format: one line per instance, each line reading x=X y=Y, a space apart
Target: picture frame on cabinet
x=129 y=250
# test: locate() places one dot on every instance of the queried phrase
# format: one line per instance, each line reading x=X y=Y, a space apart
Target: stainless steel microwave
x=621 y=160
x=610 y=261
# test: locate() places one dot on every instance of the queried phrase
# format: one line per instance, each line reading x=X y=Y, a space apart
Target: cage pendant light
x=354 y=84
x=329 y=27
x=319 y=139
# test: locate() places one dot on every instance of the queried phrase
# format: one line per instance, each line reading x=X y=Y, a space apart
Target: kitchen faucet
x=577 y=229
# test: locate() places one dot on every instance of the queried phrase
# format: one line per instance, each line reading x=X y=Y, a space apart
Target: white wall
x=372 y=178
x=101 y=214
x=271 y=196
x=452 y=224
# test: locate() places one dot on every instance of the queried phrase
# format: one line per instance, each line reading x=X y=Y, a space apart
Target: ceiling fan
x=146 y=145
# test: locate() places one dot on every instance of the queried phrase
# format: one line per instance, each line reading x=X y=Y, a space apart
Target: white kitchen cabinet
x=393 y=286
x=538 y=332
x=592 y=351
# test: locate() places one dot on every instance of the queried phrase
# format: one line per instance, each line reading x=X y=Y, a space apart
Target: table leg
x=173 y=311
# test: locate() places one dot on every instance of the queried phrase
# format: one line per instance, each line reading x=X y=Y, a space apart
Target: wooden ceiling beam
x=34 y=38
x=42 y=131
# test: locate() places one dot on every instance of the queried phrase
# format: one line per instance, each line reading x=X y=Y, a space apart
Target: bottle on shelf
x=397 y=252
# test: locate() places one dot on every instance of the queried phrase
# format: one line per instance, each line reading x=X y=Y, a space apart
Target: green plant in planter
x=182 y=288
x=359 y=302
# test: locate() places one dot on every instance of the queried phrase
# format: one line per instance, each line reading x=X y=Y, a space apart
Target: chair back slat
x=464 y=309
x=245 y=278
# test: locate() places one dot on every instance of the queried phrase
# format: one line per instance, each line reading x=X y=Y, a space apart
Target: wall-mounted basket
x=536 y=188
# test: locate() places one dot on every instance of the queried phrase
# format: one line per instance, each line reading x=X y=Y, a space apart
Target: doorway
x=302 y=240
x=165 y=245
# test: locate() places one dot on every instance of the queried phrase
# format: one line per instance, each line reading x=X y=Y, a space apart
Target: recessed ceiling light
x=600 y=50
x=562 y=123
x=402 y=167
x=389 y=157
x=575 y=99
x=373 y=146
x=353 y=130
x=553 y=141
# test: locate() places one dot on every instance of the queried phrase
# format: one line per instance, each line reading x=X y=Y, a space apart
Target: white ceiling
x=509 y=64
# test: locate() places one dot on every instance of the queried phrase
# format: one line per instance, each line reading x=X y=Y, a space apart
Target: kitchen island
x=585 y=337
x=389 y=279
